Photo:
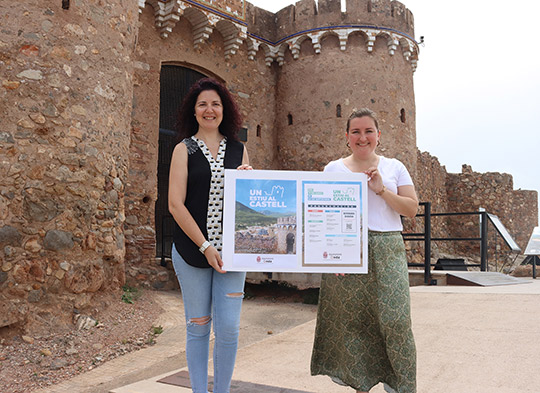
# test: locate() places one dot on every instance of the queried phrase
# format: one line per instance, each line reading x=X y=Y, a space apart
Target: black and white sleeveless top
x=215 y=199
x=204 y=196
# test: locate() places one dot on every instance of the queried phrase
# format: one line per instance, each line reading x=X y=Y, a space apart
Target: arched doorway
x=175 y=82
x=290 y=243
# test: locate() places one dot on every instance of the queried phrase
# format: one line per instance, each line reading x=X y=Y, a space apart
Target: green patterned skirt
x=363 y=334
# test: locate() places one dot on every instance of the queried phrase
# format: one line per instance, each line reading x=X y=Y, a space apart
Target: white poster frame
x=345 y=252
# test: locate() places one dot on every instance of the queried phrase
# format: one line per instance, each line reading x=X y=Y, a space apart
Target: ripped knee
x=200 y=321
x=236 y=294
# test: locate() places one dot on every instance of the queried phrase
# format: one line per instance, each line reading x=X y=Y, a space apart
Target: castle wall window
x=289 y=119
x=338 y=110
x=259 y=130
x=402 y=115
x=65 y=4
x=243 y=134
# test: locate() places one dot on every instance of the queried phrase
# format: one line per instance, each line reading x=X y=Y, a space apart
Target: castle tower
x=286 y=234
x=65 y=104
x=333 y=62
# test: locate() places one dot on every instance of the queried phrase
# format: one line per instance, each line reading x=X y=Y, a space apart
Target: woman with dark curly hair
x=208 y=123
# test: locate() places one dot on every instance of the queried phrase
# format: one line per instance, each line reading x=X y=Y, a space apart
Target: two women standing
x=363 y=334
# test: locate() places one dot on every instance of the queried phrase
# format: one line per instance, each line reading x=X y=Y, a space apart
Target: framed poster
x=292 y=221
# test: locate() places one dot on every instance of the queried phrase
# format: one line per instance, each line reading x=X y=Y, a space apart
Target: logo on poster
x=313 y=195
x=269 y=199
x=264 y=260
x=346 y=195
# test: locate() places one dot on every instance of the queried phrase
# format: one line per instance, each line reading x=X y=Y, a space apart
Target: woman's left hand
x=245 y=167
x=404 y=202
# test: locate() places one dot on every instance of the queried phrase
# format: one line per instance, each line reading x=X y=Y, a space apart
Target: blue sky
x=477 y=84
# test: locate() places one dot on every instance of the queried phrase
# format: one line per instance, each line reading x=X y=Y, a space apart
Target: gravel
x=29 y=362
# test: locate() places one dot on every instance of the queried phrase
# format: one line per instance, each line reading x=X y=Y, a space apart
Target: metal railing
x=427 y=239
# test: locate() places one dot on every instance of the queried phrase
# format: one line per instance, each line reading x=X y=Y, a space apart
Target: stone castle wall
x=79 y=139
x=516 y=209
x=469 y=191
x=65 y=104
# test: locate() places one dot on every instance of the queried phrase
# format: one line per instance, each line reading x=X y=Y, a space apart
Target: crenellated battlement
x=274 y=34
x=306 y=14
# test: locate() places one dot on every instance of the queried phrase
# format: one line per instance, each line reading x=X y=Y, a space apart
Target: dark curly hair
x=187 y=123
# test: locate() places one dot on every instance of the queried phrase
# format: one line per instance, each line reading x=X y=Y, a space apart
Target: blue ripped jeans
x=209 y=295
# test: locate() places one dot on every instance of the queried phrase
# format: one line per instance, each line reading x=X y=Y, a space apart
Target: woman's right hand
x=375 y=182
x=214 y=259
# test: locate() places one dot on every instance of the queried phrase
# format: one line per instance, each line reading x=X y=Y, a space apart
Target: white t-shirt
x=381 y=217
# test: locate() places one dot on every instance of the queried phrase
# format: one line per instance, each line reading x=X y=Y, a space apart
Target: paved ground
x=469 y=340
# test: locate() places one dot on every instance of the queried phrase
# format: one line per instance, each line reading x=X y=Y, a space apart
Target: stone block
x=58 y=240
x=86 y=278
x=10 y=236
x=12 y=311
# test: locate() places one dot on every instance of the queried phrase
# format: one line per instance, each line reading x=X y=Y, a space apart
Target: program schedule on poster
x=295 y=221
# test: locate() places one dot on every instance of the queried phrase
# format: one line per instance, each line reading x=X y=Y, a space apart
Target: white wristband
x=204 y=246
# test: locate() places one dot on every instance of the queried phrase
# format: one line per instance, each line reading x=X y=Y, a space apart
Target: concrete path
x=469 y=340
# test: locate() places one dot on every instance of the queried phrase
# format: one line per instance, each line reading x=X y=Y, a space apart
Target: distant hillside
x=274 y=214
x=246 y=217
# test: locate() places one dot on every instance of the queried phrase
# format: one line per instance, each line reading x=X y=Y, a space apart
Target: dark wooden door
x=175 y=82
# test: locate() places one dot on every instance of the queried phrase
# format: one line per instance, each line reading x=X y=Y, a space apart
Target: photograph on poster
x=291 y=221
x=265 y=216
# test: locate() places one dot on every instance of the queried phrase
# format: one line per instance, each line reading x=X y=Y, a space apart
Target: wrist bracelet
x=204 y=246
x=382 y=191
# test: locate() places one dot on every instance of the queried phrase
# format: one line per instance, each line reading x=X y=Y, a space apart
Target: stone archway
x=290 y=243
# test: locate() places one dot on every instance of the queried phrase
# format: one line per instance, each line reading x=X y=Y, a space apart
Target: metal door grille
x=175 y=82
